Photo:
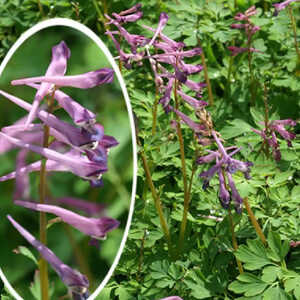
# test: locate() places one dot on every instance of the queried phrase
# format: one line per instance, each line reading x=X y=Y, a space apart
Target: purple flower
x=82 y=81
x=79 y=114
x=268 y=135
x=128 y=18
x=224 y=195
x=196 y=127
x=227 y=165
x=74 y=280
x=171 y=43
x=163 y=19
x=126 y=58
x=282 y=5
x=130 y=15
x=63 y=131
x=57 y=67
x=74 y=161
x=278 y=125
x=94 y=227
x=165 y=99
x=133 y=40
x=90 y=208
x=192 y=101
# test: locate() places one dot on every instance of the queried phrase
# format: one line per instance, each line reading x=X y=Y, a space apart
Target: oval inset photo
x=67 y=163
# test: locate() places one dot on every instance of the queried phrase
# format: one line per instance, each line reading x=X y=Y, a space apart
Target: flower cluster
x=249 y=28
x=165 y=52
x=225 y=166
x=268 y=135
x=80 y=147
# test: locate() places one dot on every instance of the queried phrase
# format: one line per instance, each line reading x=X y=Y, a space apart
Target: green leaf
x=254 y=255
x=236 y=127
x=123 y=293
x=26 y=252
x=282 y=246
x=275 y=293
x=248 y=284
x=270 y=274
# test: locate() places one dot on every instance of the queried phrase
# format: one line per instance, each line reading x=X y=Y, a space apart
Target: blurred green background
x=32 y=59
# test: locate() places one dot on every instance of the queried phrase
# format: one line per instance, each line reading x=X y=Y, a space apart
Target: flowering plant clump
x=80 y=147
x=182 y=129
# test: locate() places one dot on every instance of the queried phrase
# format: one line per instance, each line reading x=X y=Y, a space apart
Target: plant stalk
x=184 y=175
x=254 y=222
x=43 y=265
x=234 y=241
x=294 y=30
x=155 y=196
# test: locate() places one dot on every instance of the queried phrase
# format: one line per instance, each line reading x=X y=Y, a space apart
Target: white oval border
x=82 y=28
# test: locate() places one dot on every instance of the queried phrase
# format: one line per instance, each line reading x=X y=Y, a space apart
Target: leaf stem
x=234 y=240
x=254 y=222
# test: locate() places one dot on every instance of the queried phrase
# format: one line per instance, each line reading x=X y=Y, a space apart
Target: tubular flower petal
x=80 y=115
x=129 y=18
x=57 y=67
x=90 y=208
x=224 y=195
x=165 y=99
x=163 y=19
x=94 y=227
x=192 y=101
x=51 y=165
x=173 y=44
x=76 y=163
x=82 y=81
x=74 y=280
x=62 y=131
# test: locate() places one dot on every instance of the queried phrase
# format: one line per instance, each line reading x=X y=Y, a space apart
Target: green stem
x=254 y=222
x=40 y=8
x=294 y=30
x=234 y=241
x=206 y=77
x=184 y=175
x=43 y=266
x=155 y=195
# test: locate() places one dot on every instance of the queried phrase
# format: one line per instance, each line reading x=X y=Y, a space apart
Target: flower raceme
x=268 y=134
x=80 y=147
x=225 y=166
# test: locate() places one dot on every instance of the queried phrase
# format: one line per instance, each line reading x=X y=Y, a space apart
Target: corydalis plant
x=268 y=134
x=79 y=147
